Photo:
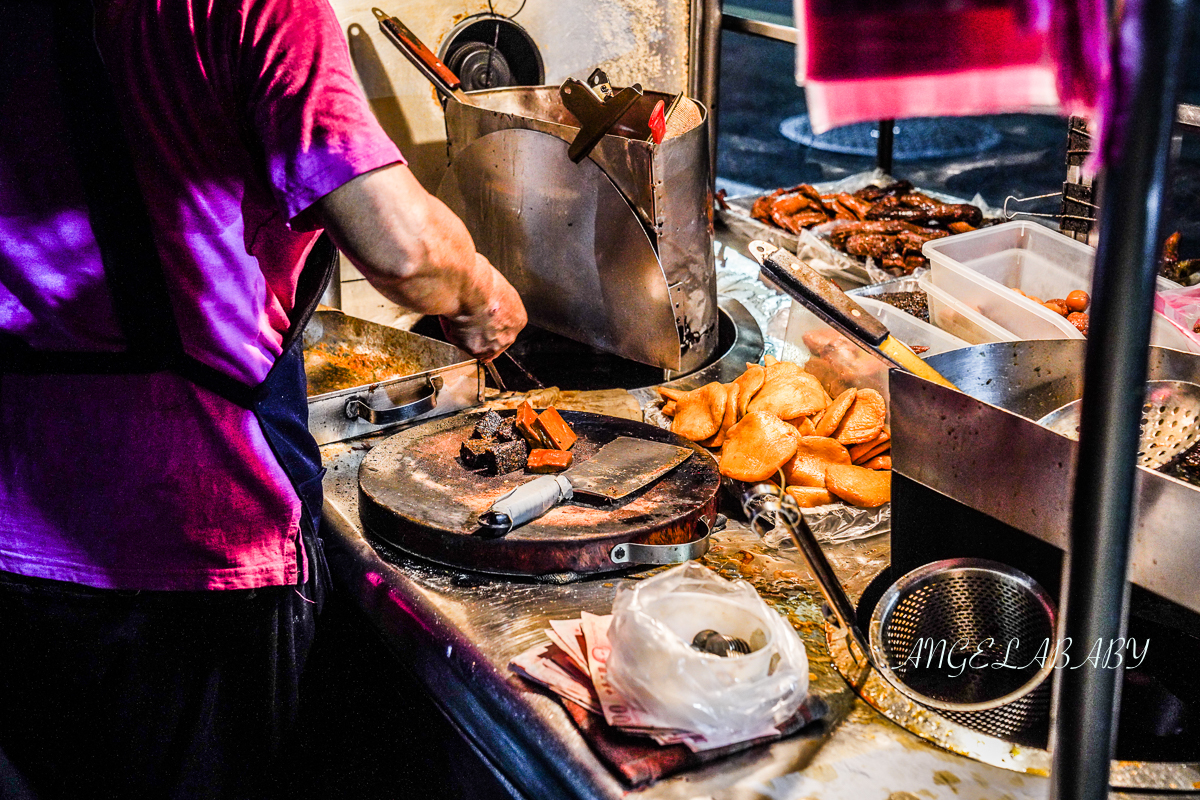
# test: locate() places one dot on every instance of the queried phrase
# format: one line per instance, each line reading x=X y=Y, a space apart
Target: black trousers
x=107 y=694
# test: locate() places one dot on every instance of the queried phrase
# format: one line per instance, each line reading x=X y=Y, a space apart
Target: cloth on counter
x=639 y=761
x=863 y=60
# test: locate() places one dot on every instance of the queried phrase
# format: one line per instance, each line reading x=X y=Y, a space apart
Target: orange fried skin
x=732 y=390
x=789 y=393
x=749 y=382
x=859 y=486
x=757 y=446
x=699 y=414
x=864 y=420
x=810 y=496
x=834 y=413
x=814 y=454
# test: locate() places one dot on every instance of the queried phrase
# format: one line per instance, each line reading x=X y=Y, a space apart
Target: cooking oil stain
x=947 y=779
x=822 y=772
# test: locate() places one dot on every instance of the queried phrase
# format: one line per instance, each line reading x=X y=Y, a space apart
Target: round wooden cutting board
x=416 y=493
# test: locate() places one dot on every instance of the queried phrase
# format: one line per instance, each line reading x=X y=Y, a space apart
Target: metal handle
x=765 y=499
x=633 y=553
x=441 y=76
x=359 y=408
x=821 y=295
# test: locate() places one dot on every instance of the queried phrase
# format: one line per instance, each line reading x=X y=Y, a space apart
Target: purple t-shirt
x=240 y=115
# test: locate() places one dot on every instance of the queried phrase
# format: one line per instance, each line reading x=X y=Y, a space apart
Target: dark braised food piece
x=876 y=245
x=507 y=432
x=487 y=426
x=1185 y=466
x=472 y=452
x=500 y=458
x=915 y=303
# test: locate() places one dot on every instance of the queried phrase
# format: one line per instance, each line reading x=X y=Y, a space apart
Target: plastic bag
x=654 y=665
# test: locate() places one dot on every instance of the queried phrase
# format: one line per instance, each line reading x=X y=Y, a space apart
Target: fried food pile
x=528 y=440
x=888 y=223
x=778 y=422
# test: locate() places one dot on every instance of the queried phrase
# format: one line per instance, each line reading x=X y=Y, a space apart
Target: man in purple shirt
x=165 y=170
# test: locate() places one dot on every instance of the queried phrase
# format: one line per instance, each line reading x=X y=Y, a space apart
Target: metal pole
x=1087 y=699
x=884 y=145
x=704 y=79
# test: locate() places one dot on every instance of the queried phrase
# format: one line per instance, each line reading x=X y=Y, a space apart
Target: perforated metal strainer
x=1170 y=421
x=971 y=639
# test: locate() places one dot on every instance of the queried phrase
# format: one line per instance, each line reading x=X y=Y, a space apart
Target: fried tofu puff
x=757 y=447
x=699 y=414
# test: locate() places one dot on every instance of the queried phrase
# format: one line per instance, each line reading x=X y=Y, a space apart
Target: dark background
x=758 y=92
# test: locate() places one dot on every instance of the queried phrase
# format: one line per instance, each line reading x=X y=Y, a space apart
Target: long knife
x=805 y=285
x=618 y=469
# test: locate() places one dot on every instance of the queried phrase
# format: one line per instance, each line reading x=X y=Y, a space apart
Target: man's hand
x=487 y=334
x=417 y=253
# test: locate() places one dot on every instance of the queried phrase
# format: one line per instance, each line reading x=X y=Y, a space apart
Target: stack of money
x=574 y=665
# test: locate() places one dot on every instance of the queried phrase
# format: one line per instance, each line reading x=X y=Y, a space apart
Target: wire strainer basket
x=1170 y=421
x=973 y=640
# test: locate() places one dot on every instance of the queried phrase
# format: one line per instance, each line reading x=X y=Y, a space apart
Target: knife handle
x=525 y=503
x=822 y=296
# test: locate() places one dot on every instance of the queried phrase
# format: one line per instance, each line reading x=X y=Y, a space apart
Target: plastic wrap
x=1181 y=307
x=654 y=665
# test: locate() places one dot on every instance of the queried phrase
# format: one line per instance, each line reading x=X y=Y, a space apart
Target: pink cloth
x=863 y=60
x=240 y=116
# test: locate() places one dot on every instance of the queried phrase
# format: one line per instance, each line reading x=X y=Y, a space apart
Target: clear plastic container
x=910 y=330
x=960 y=320
x=981 y=269
x=1029 y=257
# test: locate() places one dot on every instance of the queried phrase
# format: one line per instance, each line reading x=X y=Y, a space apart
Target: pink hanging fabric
x=864 y=60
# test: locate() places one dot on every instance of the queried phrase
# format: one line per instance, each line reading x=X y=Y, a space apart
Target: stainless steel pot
x=982 y=447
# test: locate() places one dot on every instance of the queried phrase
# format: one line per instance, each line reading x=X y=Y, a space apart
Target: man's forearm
x=407 y=244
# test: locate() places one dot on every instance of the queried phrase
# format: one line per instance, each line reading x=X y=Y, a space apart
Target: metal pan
x=364 y=377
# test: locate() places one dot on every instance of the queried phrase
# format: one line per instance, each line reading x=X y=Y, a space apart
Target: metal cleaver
x=619 y=468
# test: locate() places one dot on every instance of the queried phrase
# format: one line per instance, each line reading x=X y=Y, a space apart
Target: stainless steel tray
x=366 y=377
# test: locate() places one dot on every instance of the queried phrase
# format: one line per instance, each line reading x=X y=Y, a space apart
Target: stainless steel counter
x=456 y=632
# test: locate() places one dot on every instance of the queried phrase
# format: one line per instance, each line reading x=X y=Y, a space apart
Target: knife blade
x=618 y=469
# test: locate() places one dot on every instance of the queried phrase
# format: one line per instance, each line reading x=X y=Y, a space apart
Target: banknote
x=538 y=665
x=568 y=634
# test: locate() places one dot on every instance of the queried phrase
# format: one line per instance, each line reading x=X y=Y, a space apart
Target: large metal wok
x=615 y=251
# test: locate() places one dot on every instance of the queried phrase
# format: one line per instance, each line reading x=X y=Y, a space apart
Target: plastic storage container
x=910 y=330
x=1038 y=261
x=960 y=320
x=982 y=268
